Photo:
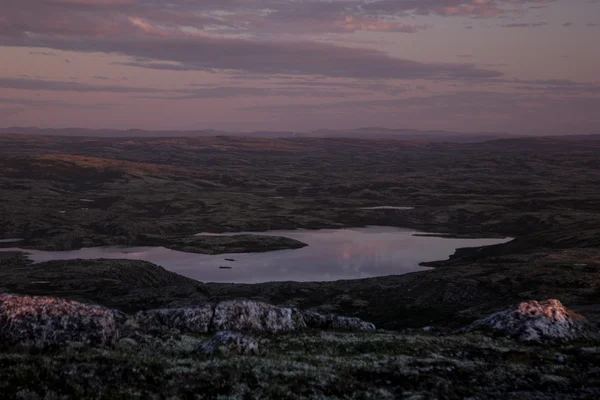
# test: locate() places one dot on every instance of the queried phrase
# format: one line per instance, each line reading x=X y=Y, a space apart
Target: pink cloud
x=369 y=24
x=260 y=49
x=248 y=17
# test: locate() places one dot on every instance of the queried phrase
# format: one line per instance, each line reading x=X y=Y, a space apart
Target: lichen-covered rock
x=351 y=324
x=316 y=320
x=320 y=321
x=541 y=322
x=190 y=319
x=231 y=342
x=251 y=316
x=45 y=322
x=244 y=316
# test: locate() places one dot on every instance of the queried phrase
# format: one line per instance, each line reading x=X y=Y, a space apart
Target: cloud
x=287 y=88
x=473 y=101
x=221 y=92
x=253 y=18
x=42 y=53
x=368 y=86
x=370 y=24
x=207 y=53
x=164 y=66
x=243 y=35
x=10 y=111
x=46 y=85
x=557 y=86
x=554 y=82
x=51 y=103
x=99 y=3
x=524 y=25
x=249 y=44
x=453 y=8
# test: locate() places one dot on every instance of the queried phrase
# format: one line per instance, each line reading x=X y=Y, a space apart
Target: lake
x=332 y=254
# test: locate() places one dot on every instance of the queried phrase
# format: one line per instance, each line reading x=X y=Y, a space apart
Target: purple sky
x=465 y=65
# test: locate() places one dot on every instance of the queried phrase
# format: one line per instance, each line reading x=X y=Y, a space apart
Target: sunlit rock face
x=231 y=342
x=539 y=322
x=191 y=319
x=45 y=322
x=320 y=321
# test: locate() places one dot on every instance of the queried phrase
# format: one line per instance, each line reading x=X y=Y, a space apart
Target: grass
x=331 y=365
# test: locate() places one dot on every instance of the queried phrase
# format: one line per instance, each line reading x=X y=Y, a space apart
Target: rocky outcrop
x=541 y=322
x=251 y=316
x=320 y=321
x=245 y=316
x=45 y=322
x=190 y=319
x=231 y=342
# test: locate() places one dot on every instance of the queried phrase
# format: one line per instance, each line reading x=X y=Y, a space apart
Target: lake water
x=332 y=254
x=386 y=208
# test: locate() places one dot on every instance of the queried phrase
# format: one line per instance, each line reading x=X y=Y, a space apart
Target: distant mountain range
x=360 y=133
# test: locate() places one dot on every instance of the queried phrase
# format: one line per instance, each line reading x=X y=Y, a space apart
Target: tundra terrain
x=62 y=193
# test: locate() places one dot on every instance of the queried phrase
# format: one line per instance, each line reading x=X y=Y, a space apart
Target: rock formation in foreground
x=320 y=321
x=540 y=322
x=41 y=322
x=251 y=316
x=246 y=316
x=186 y=319
x=45 y=322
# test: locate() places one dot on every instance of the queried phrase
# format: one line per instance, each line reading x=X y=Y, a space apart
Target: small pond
x=332 y=254
x=10 y=240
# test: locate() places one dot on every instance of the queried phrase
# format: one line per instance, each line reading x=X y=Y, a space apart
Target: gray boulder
x=539 y=322
x=244 y=316
x=251 y=316
x=235 y=315
x=190 y=319
x=320 y=321
x=46 y=322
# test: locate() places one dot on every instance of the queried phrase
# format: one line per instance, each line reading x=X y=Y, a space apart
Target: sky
x=517 y=66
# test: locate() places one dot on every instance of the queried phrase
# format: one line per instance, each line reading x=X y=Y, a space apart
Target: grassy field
x=315 y=365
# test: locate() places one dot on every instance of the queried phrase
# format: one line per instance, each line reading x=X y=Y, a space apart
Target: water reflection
x=386 y=208
x=332 y=254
